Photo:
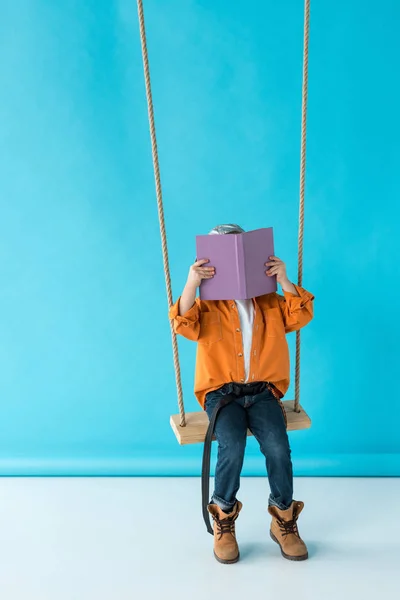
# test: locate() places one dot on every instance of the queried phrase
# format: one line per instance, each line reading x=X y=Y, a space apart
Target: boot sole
x=227 y=562
x=287 y=556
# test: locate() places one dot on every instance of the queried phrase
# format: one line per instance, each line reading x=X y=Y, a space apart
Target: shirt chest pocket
x=210 y=328
x=274 y=323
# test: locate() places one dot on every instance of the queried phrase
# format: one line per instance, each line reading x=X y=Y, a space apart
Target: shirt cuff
x=297 y=303
x=189 y=318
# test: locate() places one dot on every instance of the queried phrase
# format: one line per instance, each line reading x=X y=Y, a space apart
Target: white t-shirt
x=246 y=317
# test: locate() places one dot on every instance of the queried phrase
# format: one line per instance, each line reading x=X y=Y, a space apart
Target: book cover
x=239 y=261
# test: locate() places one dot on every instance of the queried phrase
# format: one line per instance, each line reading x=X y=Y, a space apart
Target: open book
x=239 y=260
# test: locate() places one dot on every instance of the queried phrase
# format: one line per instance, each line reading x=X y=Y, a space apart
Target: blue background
x=87 y=382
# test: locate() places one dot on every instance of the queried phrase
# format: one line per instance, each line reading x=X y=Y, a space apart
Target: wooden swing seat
x=197 y=423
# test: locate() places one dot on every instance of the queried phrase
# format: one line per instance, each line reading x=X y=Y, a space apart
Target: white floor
x=139 y=539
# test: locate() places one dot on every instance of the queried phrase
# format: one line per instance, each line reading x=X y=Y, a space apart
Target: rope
x=160 y=200
x=302 y=187
x=160 y=205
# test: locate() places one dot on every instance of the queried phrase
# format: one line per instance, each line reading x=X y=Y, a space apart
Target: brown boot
x=285 y=533
x=226 y=549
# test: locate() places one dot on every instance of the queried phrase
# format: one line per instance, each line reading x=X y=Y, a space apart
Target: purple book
x=239 y=260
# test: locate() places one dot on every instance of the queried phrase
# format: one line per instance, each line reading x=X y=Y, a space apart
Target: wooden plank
x=197 y=423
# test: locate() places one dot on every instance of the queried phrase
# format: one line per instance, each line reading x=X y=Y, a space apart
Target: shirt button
x=232 y=306
x=238 y=330
x=240 y=354
x=242 y=380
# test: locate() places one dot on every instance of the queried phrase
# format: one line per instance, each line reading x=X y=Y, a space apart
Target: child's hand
x=198 y=272
x=277 y=267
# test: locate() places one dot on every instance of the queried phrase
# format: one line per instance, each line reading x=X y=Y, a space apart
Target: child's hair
x=228 y=228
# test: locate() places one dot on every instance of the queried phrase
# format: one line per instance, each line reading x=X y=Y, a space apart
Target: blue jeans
x=262 y=414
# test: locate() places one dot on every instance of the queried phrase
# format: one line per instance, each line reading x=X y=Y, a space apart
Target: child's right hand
x=198 y=272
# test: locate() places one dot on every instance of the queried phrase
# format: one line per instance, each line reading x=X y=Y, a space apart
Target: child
x=242 y=351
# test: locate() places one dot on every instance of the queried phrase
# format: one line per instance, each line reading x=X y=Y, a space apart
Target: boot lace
x=226 y=525
x=288 y=527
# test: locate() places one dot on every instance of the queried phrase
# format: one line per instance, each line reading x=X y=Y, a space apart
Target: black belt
x=237 y=392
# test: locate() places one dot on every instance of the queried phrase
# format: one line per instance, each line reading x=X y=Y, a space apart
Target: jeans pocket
x=213 y=397
x=210 y=404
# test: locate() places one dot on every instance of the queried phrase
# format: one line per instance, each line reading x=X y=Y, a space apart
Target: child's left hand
x=277 y=267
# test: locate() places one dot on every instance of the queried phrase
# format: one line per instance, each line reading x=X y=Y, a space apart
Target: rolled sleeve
x=187 y=325
x=297 y=310
x=297 y=303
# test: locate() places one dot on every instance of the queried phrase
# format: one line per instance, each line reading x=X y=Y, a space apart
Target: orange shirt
x=215 y=326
